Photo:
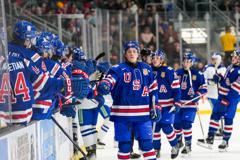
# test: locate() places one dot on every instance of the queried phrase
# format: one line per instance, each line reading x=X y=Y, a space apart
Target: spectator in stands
x=176 y=65
x=147 y=36
x=171 y=44
x=228 y=40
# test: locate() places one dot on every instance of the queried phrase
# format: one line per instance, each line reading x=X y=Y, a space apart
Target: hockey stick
x=201 y=95
x=200 y=122
x=199 y=118
x=100 y=55
x=155 y=113
x=66 y=134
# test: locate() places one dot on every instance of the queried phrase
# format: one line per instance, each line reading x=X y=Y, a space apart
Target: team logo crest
x=163 y=74
x=44 y=66
x=127 y=77
x=194 y=77
x=145 y=72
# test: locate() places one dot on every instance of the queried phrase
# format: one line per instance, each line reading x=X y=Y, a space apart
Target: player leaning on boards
x=169 y=96
x=193 y=86
x=25 y=76
x=132 y=86
x=228 y=99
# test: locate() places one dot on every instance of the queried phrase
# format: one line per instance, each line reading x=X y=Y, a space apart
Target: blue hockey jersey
x=45 y=100
x=230 y=85
x=131 y=90
x=169 y=92
x=24 y=78
x=190 y=87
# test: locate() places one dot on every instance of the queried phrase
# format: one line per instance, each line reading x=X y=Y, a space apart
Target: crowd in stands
x=168 y=37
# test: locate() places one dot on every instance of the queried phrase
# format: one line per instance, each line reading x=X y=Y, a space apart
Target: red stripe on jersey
x=46 y=103
x=80 y=72
x=39 y=82
x=237 y=86
x=22 y=115
x=135 y=110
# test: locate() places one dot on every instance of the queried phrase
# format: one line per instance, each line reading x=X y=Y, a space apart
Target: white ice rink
x=198 y=153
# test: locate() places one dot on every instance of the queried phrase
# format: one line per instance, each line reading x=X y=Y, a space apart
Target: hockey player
x=169 y=96
x=24 y=75
x=146 y=58
x=228 y=99
x=213 y=72
x=132 y=87
x=193 y=86
x=89 y=107
x=146 y=55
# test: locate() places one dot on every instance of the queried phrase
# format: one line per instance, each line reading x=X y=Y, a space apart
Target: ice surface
x=198 y=153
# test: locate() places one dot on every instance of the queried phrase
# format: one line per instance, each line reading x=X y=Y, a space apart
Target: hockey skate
x=206 y=143
x=186 y=150
x=91 y=152
x=100 y=145
x=175 y=152
x=134 y=155
x=223 y=146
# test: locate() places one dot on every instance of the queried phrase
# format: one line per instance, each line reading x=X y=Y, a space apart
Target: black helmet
x=145 y=52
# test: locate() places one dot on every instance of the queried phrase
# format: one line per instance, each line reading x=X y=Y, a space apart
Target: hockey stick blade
x=100 y=55
x=204 y=145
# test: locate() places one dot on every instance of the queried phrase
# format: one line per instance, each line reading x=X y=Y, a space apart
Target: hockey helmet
x=24 y=30
x=131 y=44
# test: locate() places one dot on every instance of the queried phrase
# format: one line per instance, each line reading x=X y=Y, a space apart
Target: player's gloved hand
x=80 y=87
x=195 y=97
x=103 y=67
x=103 y=88
x=216 y=78
x=100 y=100
x=69 y=111
x=90 y=66
x=156 y=113
x=175 y=108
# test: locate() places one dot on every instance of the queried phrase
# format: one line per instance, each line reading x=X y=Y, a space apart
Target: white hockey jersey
x=209 y=73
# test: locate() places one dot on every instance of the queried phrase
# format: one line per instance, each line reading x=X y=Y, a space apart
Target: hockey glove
x=103 y=88
x=103 y=67
x=100 y=100
x=175 y=108
x=195 y=97
x=90 y=66
x=216 y=78
x=80 y=87
x=156 y=114
x=69 y=111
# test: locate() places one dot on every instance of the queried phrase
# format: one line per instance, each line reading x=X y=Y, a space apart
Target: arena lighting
x=194 y=35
